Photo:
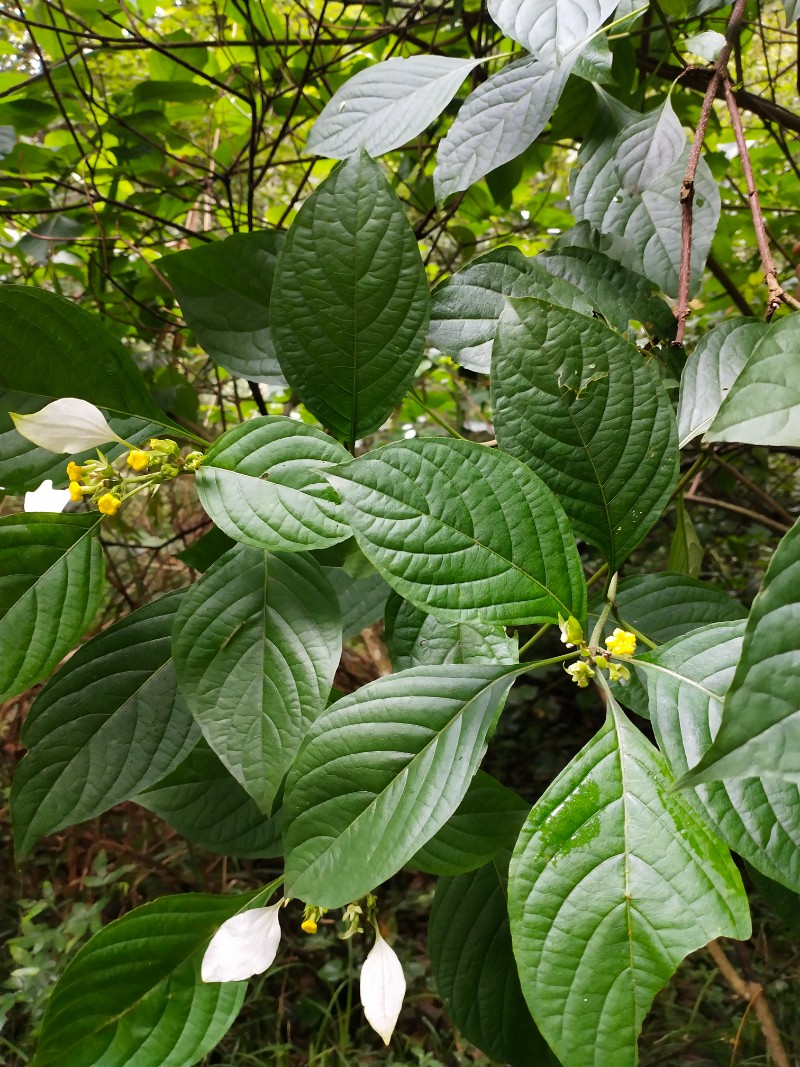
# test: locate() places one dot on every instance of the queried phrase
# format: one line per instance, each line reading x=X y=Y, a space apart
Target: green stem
x=435 y=416
x=611 y=593
x=532 y=641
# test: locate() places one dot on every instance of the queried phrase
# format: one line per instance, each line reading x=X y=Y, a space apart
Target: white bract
x=383 y=986
x=68 y=425
x=46 y=498
x=244 y=945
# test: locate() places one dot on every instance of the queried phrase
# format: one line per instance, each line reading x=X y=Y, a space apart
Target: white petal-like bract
x=244 y=945
x=383 y=986
x=68 y=425
x=46 y=498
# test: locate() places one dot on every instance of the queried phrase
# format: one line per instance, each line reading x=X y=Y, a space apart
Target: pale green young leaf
x=262 y=484
x=110 y=723
x=503 y=547
x=614 y=880
x=760 y=730
x=385 y=105
x=380 y=772
x=497 y=122
x=763 y=405
x=686 y=683
x=711 y=370
x=256 y=644
x=589 y=416
x=51 y=584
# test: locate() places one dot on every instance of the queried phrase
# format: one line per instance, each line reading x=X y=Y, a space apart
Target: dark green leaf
x=256 y=644
x=361 y=599
x=224 y=292
x=206 y=805
x=582 y=408
x=91 y=363
x=380 y=772
x=51 y=583
x=504 y=549
x=488 y=819
x=110 y=723
x=685 y=550
x=132 y=997
x=469 y=943
x=760 y=729
x=614 y=881
x=416 y=639
x=261 y=483
x=350 y=303
x=686 y=683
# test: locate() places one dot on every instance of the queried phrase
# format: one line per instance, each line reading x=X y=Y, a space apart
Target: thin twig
x=777 y=295
x=687 y=186
x=753 y=993
x=756 y=490
x=712 y=502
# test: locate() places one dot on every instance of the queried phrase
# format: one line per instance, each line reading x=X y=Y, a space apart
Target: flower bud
x=244 y=945
x=66 y=425
x=383 y=986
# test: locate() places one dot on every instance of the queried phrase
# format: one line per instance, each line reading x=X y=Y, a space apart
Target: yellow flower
x=309 y=926
x=75 y=491
x=618 y=672
x=621 y=643
x=580 y=673
x=108 y=504
x=138 y=460
x=74 y=473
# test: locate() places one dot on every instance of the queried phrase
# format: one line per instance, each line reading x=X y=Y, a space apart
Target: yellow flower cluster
x=621 y=643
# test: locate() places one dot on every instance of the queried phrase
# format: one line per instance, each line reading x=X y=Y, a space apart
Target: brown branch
x=728 y=285
x=687 y=186
x=756 y=490
x=753 y=993
x=777 y=295
x=712 y=502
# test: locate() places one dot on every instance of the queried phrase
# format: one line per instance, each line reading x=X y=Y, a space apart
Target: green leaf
x=8 y=138
x=469 y=943
x=792 y=11
x=503 y=547
x=360 y=599
x=582 y=408
x=646 y=219
x=110 y=723
x=261 y=483
x=710 y=372
x=380 y=772
x=613 y=882
x=224 y=292
x=686 y=684
x=648 y=147
x=256 y=643
x=206 y=805
x=91 y=363
x=387 y=104
x=51 y=584
x=350 y=302
x=466 y=307
x=416 y=639
x=620 y=295
x=763 y=405
x=132 y=997
x=497 y=122
x=760 y=727
x=685 y=549
x=551 y=29
x=488 y=819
